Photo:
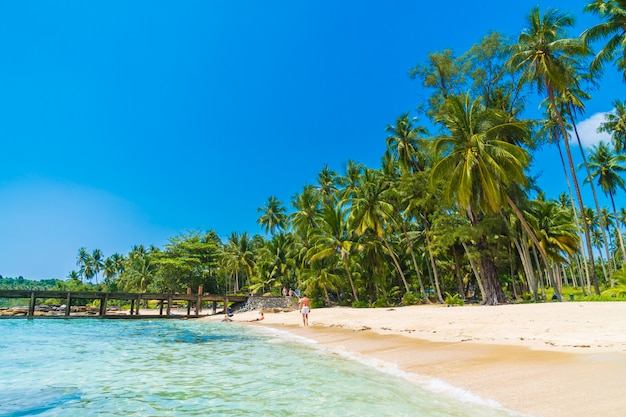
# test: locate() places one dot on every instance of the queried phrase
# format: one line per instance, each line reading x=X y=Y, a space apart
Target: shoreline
x=543 y=360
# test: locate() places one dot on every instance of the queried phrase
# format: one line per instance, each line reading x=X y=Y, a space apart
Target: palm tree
x=327 y=180
x=352 y=179
x=307 y=208
x=607 y=168
x=615 y=125
x=238 y=256
x=332 y=239
x=82 y=259
x=613 y=27
x=403 y=143
x=273 y=217
x=477 y=167
x=371 y=212
x=97 y=261
x=556 y=229
x=548 y=59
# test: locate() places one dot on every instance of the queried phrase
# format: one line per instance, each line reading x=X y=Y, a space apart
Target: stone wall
x=266 y=303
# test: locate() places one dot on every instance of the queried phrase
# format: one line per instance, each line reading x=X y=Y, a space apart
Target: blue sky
x=130 y=122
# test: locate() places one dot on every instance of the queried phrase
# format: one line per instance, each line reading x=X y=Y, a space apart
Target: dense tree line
x=452 y=210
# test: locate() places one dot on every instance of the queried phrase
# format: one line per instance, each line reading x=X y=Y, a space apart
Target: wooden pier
x=166 y=301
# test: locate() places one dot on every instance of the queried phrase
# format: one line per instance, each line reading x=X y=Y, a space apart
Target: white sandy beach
x=545 y=360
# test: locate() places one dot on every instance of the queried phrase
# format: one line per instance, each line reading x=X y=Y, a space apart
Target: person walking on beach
x=305 y=308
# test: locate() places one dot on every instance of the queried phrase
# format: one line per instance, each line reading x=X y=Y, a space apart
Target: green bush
x=411 y=299
x=360 y=304
x=454 y=299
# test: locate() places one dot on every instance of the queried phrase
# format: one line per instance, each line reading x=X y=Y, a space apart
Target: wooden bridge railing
x=134 y=298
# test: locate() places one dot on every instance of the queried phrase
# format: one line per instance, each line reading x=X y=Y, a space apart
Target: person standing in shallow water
x=305 y=308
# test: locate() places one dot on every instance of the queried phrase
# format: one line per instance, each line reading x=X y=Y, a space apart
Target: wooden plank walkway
x=134 y=298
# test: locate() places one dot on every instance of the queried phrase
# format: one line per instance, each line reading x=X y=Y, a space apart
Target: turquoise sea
x=92 y=367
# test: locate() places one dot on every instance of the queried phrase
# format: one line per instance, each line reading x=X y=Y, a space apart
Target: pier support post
x=68 y=304
x=169 y=304
x=31 y=305
x=103 y=304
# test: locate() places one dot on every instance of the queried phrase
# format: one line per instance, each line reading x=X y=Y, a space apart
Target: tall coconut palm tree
x=372 y=212
x=307 y=207
x=273 y=217
x=403 y=143
x=606 y=169
x=478 y=165
x=548 y=58
x=615 y=125
x=613 y=29
x=82 y=259
x=327 y=184
x=97 y=261
x=332 y=239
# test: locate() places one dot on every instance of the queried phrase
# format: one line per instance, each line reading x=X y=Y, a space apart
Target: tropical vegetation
x=452 y=215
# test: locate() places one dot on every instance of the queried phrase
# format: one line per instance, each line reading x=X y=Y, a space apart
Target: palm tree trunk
x=397 y=264
x=475 y=270
x=344 y=258
x=432 y=262
x=594 y=277
x=528 y=268
x=593 y=188
x=619 y=232
x=535 y=241
x=412 y=252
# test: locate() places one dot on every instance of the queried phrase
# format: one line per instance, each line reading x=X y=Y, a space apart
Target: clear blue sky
x=130 y=122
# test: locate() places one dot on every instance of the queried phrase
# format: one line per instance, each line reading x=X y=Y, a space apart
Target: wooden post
x=138 y=303
x=169 y=304
x=68 y=304
x=214 y=308
x=103 y=304
x=226 y=308
x=31 y=306
x=188 y=308
x=132 y=306
x=161 y=308
x=198 y=305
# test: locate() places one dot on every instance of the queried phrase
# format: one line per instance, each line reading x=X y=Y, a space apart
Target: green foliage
x=411 y=299
x=619 y=281
x=381 y=302
x=454 y=299
x=360 y=304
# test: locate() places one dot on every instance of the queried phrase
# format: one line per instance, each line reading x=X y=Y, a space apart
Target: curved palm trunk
x=594 y=277
x=417 y=271
x=585 y=269
x=593 y=192
x=619 y=232
x=344 y=258
x=432 y=262
x=475 y=270
x=397 y=264
x=542 y=252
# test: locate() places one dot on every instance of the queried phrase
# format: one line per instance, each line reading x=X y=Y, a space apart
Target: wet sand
x=545 y=360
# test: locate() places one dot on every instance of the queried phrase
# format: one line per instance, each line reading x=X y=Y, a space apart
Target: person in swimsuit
x=305 y=308
x=261 y=317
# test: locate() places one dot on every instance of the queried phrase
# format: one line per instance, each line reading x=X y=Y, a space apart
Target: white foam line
x=435 y=385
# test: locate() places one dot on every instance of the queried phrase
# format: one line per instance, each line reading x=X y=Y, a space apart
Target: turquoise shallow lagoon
x=89 y=367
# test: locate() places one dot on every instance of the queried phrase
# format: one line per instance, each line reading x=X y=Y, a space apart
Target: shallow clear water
x=195 y=368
